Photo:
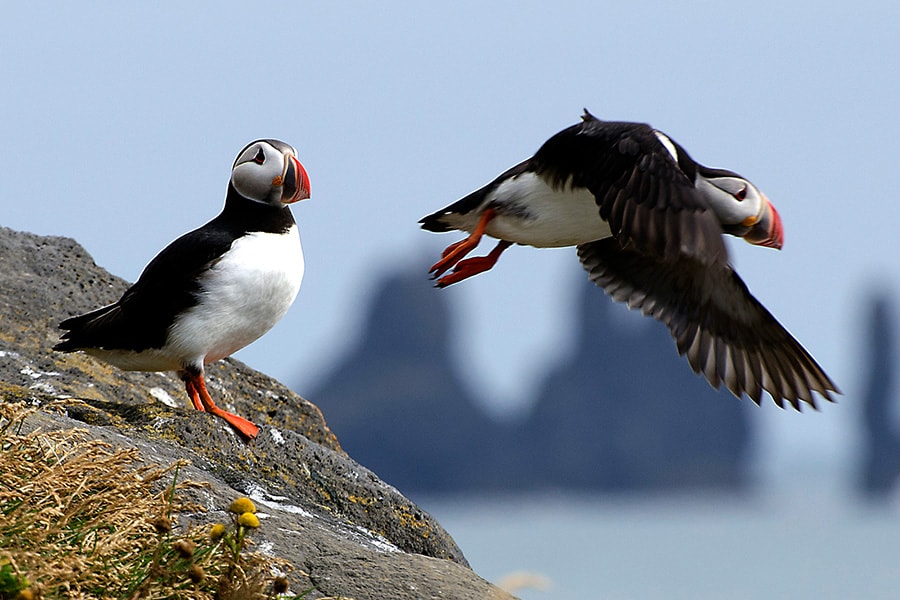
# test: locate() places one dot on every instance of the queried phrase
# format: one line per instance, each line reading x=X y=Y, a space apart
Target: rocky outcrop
x=398 y=401
x=350 y=533
x=626 y=413
x=881 y=439
x=623 y=412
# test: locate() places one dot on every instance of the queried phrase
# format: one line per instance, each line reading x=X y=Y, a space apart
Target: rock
x=398 y=402
x=621 y=413
x=881 y=439
x=626 y=413
x=353 y=534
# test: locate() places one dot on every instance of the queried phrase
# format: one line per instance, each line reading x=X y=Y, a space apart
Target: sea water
x=799 y=544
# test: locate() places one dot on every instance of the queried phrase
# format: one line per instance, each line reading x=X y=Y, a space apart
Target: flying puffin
x=214 y=290
x=647 y=221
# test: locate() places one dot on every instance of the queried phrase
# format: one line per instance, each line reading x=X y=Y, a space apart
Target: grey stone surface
x=351 y=533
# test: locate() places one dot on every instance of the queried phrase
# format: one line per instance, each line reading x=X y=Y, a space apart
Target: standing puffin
x=647 y=221
x=213 y=290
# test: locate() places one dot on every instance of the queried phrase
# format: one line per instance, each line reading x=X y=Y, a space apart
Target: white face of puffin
x=268 y=171
x=741 y=208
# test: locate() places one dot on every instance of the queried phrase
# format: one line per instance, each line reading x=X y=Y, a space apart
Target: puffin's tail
x=81 y=329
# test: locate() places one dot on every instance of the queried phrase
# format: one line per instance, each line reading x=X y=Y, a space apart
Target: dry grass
x=80 y=519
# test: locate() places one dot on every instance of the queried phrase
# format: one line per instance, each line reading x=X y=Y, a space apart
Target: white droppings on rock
x=27 y=370
x=43 y=386
x=261 y=496
x=164 y=397
x=277 y=437
x=378 y=542
x=266 y=547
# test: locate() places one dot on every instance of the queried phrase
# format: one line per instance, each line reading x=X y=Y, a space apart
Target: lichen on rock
x=320 y=510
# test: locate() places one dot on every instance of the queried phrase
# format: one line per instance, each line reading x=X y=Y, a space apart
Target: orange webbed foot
x=454 y=253
x=196 y=389
x=451 y=255
x=473 y=266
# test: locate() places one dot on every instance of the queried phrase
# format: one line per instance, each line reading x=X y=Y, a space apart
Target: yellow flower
x=248 y=519
x=241 y=506
x=216 y=532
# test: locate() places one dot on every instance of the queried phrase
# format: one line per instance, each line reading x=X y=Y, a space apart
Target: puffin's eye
x=260 y=157
x=742 y=193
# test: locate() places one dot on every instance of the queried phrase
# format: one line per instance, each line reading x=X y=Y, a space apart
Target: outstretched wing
x=644 y=187
x=726 y=333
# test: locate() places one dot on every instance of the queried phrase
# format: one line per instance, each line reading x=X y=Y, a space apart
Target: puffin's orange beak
x=295 y=181
x=765 y=229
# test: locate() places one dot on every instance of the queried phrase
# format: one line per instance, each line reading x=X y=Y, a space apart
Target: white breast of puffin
x=531 y=212
x=243 y=295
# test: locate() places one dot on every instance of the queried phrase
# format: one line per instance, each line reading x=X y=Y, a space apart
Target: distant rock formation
x=396 y=401
x=624 y=413
x=881 y=452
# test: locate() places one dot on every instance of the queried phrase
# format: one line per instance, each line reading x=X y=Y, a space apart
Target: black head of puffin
x=268 y=171
x=742 y=209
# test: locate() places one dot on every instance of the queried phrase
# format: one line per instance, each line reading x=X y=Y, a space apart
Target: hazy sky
x=120 y=124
